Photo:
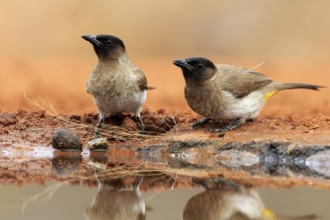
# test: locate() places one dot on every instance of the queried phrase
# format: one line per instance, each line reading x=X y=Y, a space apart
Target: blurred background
x=42 y=53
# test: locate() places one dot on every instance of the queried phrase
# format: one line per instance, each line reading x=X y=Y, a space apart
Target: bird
x=214 y=204
x=227 y=92
x=117 y=85
x=231 y=202
x=116 y=202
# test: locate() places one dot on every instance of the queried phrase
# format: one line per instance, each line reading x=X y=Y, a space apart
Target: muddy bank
x=24 y=129
x=271 y=151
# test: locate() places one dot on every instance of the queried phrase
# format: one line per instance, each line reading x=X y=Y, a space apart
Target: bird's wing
x=241 y=82
x=141 y=78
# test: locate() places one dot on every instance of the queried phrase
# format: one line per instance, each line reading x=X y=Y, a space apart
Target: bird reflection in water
x=113 y=201
x=226 y=200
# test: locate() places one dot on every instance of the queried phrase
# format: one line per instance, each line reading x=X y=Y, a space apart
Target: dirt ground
x=58 y=86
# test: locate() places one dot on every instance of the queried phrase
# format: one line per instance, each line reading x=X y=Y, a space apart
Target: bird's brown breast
x=111 y=80
x=205 y=99
x=115 y=88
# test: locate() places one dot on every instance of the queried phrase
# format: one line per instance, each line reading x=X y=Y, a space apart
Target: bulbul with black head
x=226 y=92
x=117 y=85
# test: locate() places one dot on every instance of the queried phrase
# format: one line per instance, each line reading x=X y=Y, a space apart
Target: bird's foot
x=226 y=182
x=200 y=182
x=200 y=123
x=231 y=126
x=97 y=133
x=143 y=130
x=216 y=183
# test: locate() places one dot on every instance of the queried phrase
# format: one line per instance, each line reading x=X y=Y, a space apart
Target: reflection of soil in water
x=252 y=164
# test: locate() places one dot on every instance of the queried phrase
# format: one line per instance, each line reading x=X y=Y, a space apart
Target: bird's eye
x=199 y=65
x=108 y=42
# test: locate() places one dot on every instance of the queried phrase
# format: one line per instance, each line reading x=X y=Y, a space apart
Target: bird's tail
x=150 y=88
x=274 y=88
x=304 y=217
x=284 y=86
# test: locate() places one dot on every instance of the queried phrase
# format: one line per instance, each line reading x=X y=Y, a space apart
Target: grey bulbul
x=117 y=85
x=226 y=92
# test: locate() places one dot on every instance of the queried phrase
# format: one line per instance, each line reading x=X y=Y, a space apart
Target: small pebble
x=64 y=140
x=99 y=144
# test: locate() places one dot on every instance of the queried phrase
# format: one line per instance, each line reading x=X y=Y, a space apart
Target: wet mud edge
x=278 y=143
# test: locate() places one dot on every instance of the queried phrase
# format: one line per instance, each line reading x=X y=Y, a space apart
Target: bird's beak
x=92 y=39
x=182 y=64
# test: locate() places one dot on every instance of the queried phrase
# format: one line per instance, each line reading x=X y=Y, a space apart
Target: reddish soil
x=37 y=128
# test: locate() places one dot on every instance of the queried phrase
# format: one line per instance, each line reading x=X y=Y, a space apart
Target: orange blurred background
x=42 y=52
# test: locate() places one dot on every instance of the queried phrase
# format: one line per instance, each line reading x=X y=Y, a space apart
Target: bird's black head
x=106 y=46
x=196 y=68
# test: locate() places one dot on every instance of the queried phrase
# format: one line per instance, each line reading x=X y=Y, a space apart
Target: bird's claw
x=200 y=123
x=231 y=126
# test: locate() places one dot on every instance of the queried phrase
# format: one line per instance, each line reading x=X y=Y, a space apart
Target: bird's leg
x=225 y=182
x=200 y=123
x=99 y=181
x=142 y=127
x=231 y=126
x=96 y=131
x=137 y=182
x=100 y=122
x=249 y=120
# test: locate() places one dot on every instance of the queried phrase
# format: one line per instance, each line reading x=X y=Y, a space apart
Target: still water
x=64 y=201
x=235 y=183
